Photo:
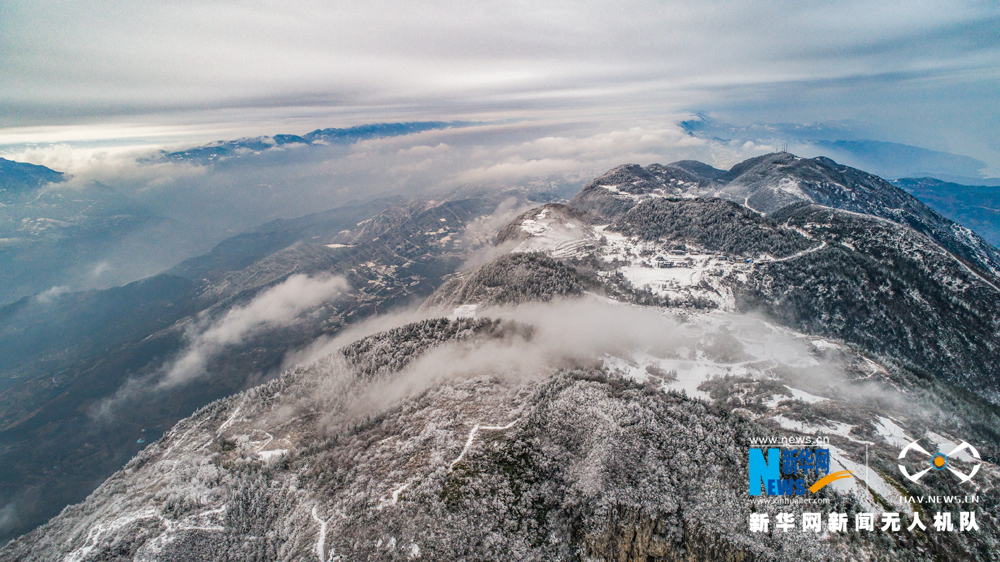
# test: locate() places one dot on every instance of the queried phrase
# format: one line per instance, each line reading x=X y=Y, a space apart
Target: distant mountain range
x=16 y=177
x=974 y=206
x=223 y=150
x=56 y=235
x=587 y=390
x=848 y=142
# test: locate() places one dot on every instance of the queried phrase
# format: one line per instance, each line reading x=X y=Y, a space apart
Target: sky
x=110 y=74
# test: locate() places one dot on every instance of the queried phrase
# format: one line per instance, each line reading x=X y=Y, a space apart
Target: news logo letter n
x=761 y=471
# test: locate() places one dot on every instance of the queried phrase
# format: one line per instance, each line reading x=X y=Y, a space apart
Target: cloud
x=51 y=295
x=9 y=518
x=192 y=69
x=187 y=53
x=111 y=165
x=204 y=204
x=278 y=306
x=571 y=333
x=516 y=168
x=245 y=192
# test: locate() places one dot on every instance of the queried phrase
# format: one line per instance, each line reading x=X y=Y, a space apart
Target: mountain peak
x=21 y=176
x=700 y=169
x=774 y=181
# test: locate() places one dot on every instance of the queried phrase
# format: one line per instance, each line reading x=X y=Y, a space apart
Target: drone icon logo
x=940 y=461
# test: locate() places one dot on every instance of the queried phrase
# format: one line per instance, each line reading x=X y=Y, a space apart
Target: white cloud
x=924 y=67
x=278 y=306
x=8 y=517
x=50 y=295
x=111 y=165
x=563 y=334
x=204 y=204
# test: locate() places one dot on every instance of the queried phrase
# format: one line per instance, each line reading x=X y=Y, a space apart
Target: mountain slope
x=17 y=177
x=57 y=234
x=974 y=206
x=583 y=462
x=65 y=359
x=768 y=183
x=884 y=285
x=596 y=392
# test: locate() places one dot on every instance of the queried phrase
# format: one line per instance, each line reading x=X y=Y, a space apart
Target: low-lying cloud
x=189 y=207
x=8 y=517
x=570 y=333
x=278 y=306
x=295 y=180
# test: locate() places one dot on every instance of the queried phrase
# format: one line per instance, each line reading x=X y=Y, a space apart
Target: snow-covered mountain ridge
x=594 y=395
x=770 y=182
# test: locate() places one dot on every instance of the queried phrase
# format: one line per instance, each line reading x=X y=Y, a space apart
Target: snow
x=229 y=420
x=974 y=242
x=556 y=236
x=614 y=189
x=875 y=367
x=682 y=276
x=763 y=347
x=465 y=311
x=800 y=254
x=95 y=533
x=946 y=445
x=792 y=187
x=534 y=227
x=209 y=520
x=472 y=437
x=805 y=396
x=393 y=498
x=839 y=461
x=690 y=374
x=892 y=433
x=320 y=548
x=657 y=192
x=183 y=437
x=796 y=395
x=396 y=492
x=273 y=456
x=839 y=428
x=685 y=276
x=856 y=486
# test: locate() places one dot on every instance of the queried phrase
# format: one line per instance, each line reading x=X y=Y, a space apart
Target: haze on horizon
x=112 y=74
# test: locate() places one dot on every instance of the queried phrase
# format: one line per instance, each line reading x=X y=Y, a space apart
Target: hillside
x=590 y=386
